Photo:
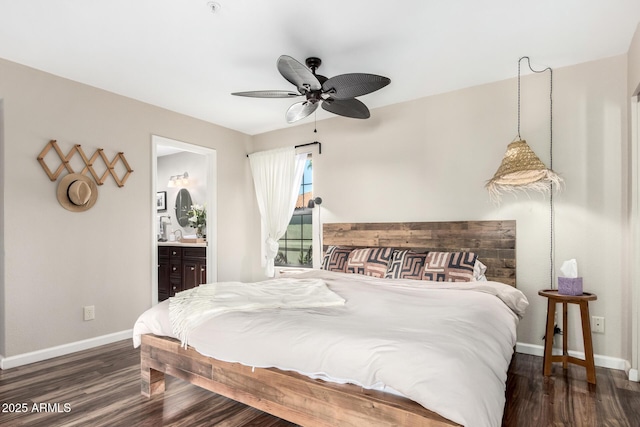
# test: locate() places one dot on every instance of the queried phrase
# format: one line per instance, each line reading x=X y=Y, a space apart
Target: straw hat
x=77 y=192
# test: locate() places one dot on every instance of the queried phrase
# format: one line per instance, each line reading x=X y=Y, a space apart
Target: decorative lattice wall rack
x=88 y=162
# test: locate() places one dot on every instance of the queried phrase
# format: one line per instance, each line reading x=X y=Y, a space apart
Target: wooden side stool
x=583 y=301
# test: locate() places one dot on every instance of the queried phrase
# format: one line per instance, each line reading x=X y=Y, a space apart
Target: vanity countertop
x=203 y=244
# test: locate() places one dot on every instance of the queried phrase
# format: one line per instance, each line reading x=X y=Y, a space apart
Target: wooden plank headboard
x=493 y=241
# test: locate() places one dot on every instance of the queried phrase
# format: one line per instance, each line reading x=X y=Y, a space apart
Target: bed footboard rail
x=287 y=395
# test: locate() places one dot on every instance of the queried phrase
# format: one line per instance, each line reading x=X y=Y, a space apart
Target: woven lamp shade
x=521 y=169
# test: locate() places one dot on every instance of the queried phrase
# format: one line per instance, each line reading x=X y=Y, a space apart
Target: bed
x=257 y=362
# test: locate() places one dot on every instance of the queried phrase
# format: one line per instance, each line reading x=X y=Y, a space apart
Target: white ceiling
x=179 y=55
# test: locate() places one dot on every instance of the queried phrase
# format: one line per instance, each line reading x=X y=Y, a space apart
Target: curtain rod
x=319 y=144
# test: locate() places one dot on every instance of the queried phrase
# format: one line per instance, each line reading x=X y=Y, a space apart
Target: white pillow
x=478 y=272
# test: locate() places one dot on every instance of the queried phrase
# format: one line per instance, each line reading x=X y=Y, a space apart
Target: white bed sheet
x=446 y=346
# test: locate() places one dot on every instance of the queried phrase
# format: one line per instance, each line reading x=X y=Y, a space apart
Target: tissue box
x=570 y=285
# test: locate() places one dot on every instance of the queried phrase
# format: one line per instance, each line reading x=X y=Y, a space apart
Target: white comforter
x=446 y=346
x=191 y=307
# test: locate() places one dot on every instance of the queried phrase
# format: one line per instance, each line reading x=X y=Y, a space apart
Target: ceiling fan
x=336 y=94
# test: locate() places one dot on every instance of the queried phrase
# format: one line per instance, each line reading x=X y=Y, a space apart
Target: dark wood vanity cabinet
x=180 y=268
x=163 y=273
x=194 y=267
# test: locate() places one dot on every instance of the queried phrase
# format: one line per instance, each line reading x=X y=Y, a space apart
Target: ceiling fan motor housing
x=313 y=63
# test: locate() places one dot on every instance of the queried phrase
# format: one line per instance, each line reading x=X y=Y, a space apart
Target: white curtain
x=277 y=175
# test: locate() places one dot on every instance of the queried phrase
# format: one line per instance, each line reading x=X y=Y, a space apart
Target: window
x=297 y=242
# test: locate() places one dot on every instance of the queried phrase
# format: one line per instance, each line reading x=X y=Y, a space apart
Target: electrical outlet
x=89 y=312
x=597 y=324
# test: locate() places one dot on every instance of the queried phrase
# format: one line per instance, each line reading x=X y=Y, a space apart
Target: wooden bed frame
x=309 y=402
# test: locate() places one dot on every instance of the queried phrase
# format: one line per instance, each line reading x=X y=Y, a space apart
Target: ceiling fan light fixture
x=300 y=110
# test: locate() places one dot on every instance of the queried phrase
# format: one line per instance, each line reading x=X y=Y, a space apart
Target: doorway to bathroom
x=184 y=194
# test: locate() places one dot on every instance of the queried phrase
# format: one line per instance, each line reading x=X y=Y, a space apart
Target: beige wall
x=633 y=192
x=429 y=159
x=56 y=261
x=634 y=64
x=417 y=161
x=3 y=319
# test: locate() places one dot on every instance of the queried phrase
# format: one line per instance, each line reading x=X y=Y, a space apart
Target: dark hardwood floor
x=101 y=387
x=566 y=399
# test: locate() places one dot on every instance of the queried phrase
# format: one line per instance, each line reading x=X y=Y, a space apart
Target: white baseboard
x=61 y=350
x=634 y=375
x=600 y=361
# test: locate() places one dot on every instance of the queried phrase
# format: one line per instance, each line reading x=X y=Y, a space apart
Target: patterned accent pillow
x=370 y=261
x=405 y=264
x=335 y=259
x=449 y=266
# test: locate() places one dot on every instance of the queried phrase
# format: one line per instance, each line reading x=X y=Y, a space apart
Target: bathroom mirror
x=183 y=204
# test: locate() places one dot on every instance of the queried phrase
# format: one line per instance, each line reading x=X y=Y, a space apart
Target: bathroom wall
x=177 y=164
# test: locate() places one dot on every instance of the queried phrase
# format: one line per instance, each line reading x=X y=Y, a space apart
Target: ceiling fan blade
x=346 y=107
x=300 y=110
x=268 y=94
x=297 y=74
x=347 y=86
